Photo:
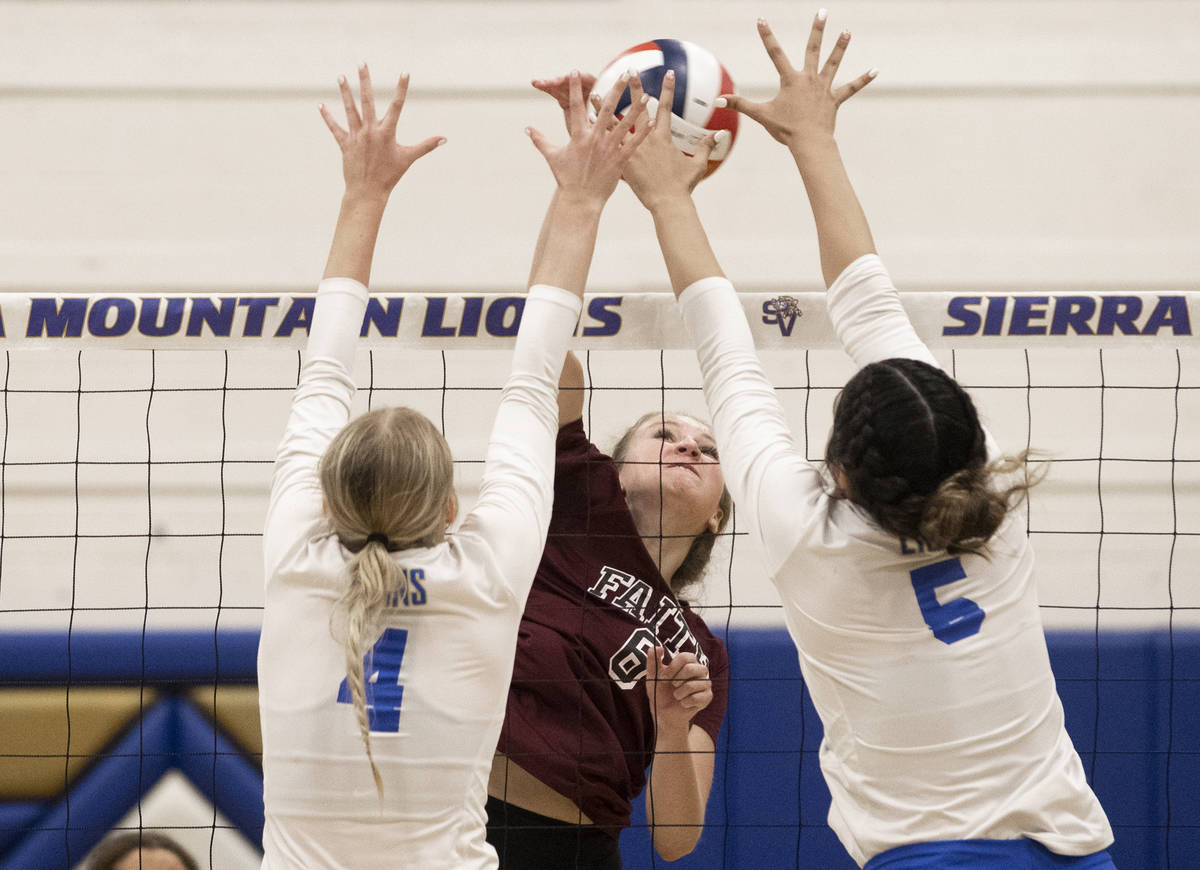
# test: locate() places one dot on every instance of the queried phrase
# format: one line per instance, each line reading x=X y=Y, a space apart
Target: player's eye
x=665 y=434
x=710 y=451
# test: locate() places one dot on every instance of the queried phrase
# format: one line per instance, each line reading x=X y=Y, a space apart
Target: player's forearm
x=565 y=245
x=843 y=233
x=676 y=797
x=685 y=247
x=353 y=246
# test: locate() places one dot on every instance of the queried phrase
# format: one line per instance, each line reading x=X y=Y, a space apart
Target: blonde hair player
x=907 y=583
x=387 y=642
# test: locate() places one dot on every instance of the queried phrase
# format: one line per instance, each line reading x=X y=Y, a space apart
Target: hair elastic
x=378 y=536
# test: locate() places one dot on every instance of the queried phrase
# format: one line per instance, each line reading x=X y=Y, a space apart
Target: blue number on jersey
x=384 y=692
x=955 y=619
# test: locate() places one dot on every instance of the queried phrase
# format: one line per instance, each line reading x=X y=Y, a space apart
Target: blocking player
x=906 y=579
x=387 y=642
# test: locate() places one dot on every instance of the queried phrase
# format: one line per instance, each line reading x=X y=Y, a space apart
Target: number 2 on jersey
x=955 y=619
x=381 y=667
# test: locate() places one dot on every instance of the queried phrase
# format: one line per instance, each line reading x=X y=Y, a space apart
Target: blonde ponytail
x=387 y=479
x=373 y=575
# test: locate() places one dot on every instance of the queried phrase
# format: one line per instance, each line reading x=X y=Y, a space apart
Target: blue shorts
x=984 y=855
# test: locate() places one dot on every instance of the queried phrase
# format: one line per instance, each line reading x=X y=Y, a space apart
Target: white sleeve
x=768 y=477
x=320 y=409
x=868 y=317
x=512 y=514
x=872 y=324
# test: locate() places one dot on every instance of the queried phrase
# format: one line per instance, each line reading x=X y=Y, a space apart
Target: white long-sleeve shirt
x=938 y=726
x=445 y=657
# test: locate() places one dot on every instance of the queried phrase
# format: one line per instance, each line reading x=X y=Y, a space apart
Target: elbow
x=679 y=845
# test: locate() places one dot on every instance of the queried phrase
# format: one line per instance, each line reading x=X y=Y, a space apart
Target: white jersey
x=929 y=671
x=442 y=664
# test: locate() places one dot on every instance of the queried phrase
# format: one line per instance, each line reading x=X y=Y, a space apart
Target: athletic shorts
x=528 y=841
x=984 y=855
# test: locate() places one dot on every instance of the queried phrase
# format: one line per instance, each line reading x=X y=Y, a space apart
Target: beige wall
x=169 y=146
x=172 y=145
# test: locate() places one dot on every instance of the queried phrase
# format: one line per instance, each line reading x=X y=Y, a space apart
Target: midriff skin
x=514 y=784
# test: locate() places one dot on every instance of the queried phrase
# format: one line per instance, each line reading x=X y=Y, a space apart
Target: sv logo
x=782 y=310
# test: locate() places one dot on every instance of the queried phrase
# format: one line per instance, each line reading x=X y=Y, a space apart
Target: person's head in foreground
x=141 y=850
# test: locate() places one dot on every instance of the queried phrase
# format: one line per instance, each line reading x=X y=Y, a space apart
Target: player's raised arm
x=802 y=116
x=663 y=179
x=586 y=170
x=372 y=164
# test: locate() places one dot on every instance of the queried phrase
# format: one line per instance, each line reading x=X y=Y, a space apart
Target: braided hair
x=911 y=452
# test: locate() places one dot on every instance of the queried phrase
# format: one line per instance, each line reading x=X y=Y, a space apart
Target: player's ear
x=714 y=522
x=452 y=507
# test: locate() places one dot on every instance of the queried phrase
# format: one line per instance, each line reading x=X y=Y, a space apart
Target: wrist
x=669 y=205
x=583 y=203
x=361 y=194
x=812 y=146
x=671 y=736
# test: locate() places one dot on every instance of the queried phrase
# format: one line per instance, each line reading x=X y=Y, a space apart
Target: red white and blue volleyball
x=699 y=80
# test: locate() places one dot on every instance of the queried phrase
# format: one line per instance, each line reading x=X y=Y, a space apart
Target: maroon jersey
x=578 y=717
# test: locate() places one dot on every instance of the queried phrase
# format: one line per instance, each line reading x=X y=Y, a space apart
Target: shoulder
x=582 y=472
x=572 y=442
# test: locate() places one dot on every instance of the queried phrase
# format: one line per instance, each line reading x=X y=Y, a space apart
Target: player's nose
x=688 y=445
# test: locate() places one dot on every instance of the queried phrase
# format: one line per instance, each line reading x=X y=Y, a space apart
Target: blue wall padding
x=97 y=801
x=768 y=803
x=219 y=771
x=16 y=820
x=112 y=657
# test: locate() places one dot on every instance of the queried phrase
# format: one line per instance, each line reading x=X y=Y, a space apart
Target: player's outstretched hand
x=372 y=160
x=560 y=89
x=805 y=109
x=659 y=170
x=591 y=162
x=677 y=690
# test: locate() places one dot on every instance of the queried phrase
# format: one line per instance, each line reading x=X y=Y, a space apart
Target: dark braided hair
x=907 y=438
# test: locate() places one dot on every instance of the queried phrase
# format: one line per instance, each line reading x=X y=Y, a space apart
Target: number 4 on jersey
x=955 y=619
x=382 y=669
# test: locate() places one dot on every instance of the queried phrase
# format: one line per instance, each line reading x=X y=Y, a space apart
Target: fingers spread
x=366 y=94
x=635 y=89
x=634 y=115
x=423 y=148
x=539 y=141
x=749 y=108
x=775 y=51
x=666 y=100
x=335 y=128
x=353 y=121
x=397 y=105
x=835 y=57
x=576 y=114
x=812 y=52
x=707 y=144
x=609 y=105
x=846 y=91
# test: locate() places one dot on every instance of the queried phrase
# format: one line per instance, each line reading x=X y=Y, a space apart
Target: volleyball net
x=138 y=439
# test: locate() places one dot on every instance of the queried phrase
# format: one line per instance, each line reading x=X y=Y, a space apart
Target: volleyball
x=699 y=80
